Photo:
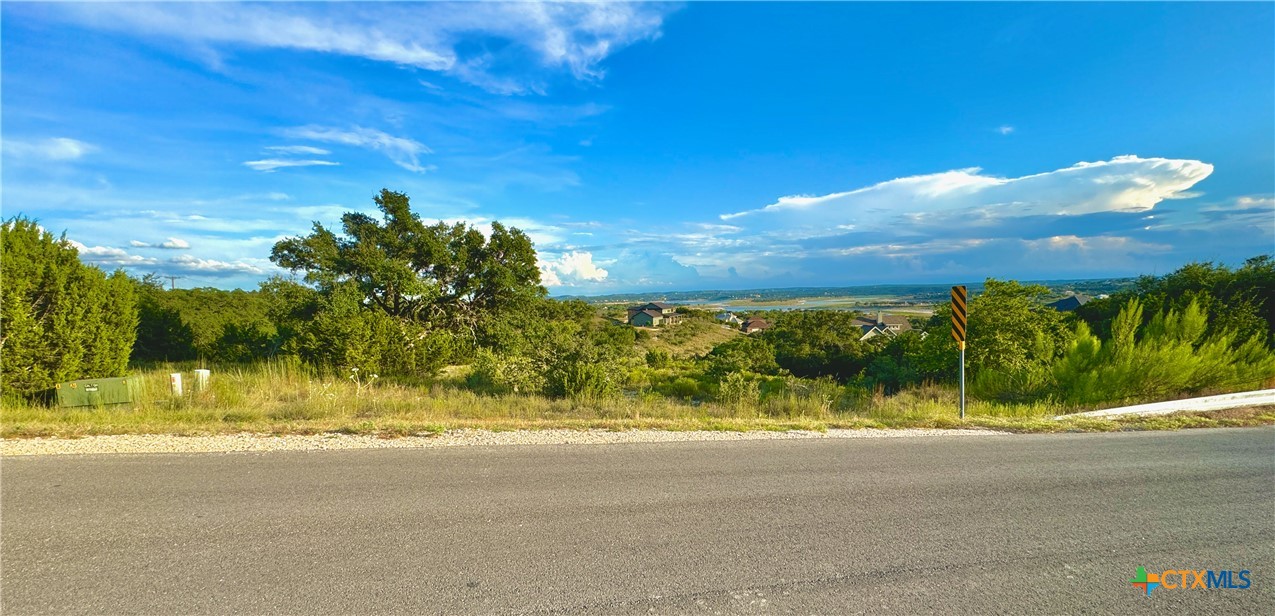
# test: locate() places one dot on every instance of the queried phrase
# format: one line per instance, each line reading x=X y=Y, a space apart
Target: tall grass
x=289 y=398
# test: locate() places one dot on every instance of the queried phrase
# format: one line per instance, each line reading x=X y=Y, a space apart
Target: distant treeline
x=923 y=293
x=401 y=299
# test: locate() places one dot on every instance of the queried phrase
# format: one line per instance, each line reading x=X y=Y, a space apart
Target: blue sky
x=654 y=146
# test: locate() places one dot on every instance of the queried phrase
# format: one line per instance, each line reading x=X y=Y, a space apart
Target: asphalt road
x=1006 y=524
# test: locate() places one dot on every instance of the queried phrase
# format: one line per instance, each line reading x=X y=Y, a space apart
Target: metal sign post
x=962 y=381
x=960 y=315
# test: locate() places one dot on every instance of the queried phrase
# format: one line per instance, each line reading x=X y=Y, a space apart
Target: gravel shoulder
x=158 y=443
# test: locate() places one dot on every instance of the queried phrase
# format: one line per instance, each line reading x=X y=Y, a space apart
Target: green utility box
x=99 y=392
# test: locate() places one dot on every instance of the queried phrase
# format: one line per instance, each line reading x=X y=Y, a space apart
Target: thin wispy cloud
x=269 y=165
x=48 y=149
x=403 y=151
x=1005 y=129
x=571 y=37
x=298 y=149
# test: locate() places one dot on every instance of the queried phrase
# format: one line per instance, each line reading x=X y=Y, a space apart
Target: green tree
x=742 y=354
x=162 y=334
x=1010 y=329
x=59 y=319
x=441 y=275
x=810 y=343
x=1237 y=300
x=1013 y=338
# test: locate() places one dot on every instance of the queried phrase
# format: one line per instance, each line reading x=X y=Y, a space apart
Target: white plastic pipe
x=201 y=379
x=175 y=382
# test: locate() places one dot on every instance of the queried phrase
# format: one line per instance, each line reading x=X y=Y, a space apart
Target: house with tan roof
x=653 y=314
x=754 y=324
x=882 y=325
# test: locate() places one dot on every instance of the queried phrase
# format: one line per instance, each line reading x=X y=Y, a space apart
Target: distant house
x=646 y=318
x=729 y=318
x=754 y=324
x=653 y=314
x=882 y=325
x=1069 y=303
x=661 y=307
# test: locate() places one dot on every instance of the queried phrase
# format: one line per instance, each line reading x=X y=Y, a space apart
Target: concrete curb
x=1207 y=403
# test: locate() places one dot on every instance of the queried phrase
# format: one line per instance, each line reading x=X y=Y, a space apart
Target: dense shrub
x=914 y=357
x=582 y=373
x=797 y=397
x=1172 y=354
x=1240 y=300
x=60 y=320
x=742 y=354
x=739 y=390
x=684 y=387
x=812 y=343
x=496 y=373
x=658 y=358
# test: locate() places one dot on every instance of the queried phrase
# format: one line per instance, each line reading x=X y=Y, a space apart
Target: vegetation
x=59 y=319
x=287 y=397
x=184 y=324
x=396 y=326
x=1239 y=300
x=1172 y=355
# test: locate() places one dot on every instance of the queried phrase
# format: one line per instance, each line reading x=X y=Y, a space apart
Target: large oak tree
x=440 y=276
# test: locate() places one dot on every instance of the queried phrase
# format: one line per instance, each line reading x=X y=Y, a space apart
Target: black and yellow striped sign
x=959 y=314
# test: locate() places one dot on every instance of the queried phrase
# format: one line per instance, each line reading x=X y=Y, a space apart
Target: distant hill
x=917 y=293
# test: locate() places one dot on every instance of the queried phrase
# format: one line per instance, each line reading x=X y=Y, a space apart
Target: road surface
x=1045 y=524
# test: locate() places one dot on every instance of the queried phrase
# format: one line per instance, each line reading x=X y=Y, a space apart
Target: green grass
x=287 y=399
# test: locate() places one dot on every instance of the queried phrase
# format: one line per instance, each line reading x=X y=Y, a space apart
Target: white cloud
x=188 y=263
x=269 y=165
x=1071 y=243
x=51 y=149
x=109 y=256
x=1122 y=184
x=1086 y=218
x=172 y=243
x=298 y=149
x=1093 y=252
x=573 y=37
x=571 y=269
x=1005 y=129
x=906 y=249
x=1255 y=203
x=403 y=151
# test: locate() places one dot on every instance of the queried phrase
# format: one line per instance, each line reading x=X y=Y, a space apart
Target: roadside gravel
x=157 y=443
